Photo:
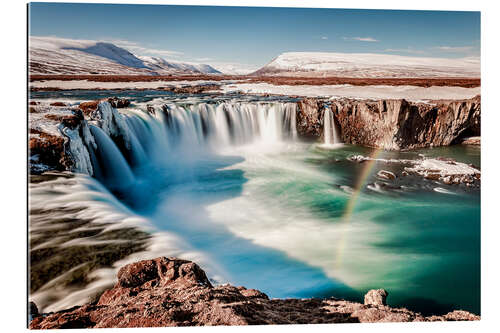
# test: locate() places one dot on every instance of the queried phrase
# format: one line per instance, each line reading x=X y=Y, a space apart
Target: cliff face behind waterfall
x=393 y=124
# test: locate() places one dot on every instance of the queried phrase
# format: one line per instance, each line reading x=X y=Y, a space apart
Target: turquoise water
x=279 y=221
x=295 y=220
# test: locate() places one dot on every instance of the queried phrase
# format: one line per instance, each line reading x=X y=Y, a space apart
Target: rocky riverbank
x=174 y=292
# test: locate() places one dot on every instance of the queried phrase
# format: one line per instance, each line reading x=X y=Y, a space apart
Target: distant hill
x=365 y=65
x=50 y=55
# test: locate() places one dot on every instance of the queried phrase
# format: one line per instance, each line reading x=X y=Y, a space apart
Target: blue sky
x=253 y=36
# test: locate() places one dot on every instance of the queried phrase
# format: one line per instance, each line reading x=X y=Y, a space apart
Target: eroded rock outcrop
x=48 y=145
x=174 y=292
x=393 y=124
x=60 y=137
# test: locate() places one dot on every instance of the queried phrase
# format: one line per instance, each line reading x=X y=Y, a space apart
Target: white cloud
x=324 y=37
x=407 y=50
x=454 y=48
x=361 y=39
x=138 y=49
x=203 y=59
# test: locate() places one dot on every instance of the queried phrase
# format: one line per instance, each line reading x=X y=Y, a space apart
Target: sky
x=250 y=37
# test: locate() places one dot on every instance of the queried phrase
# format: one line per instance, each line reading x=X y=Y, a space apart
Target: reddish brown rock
x=50 y=150
x=174 y=292
x=91 y=106
x=57 y=104
x=88 y=107
x=71 y=121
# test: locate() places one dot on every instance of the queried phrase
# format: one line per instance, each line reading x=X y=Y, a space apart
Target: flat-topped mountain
x=364 y=65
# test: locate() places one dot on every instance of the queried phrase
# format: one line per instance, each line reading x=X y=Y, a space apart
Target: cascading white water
x=330 y=132
x=231 y=123
x=130 y=140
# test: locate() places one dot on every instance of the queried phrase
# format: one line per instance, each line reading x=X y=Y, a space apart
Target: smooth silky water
x=257 y=207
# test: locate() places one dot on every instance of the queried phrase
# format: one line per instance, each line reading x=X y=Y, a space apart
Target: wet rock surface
x=175 y=292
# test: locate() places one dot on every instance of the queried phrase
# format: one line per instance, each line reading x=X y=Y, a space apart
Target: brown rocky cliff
x=393 y=124
x=310 y=118
x=174 y=292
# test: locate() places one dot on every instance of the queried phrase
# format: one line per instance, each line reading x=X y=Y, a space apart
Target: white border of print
x=13 y=167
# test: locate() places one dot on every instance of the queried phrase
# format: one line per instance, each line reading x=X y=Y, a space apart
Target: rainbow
x=351 y=204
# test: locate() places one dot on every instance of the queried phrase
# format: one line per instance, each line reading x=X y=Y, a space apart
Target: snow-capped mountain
x=50 y=55
x=160 y=64
x=317 y=64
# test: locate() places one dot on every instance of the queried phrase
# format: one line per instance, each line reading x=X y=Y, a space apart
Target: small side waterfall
x=329 y=131
x=108 y=162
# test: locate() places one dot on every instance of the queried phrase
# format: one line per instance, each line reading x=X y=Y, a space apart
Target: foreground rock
x=393 y=124
x=174 y=292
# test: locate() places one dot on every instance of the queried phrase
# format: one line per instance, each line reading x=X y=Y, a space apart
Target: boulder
x=164 y=271
x=376 y=297
x=118 y=102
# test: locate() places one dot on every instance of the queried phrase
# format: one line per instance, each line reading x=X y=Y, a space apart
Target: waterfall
x=115 y=147
x=330 y=132
x=230 y=123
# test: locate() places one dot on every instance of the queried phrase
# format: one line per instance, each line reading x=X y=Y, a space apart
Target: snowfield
x=364 y=65
x=411 y=93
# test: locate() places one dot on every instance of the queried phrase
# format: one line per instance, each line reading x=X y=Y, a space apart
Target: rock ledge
x=174 y=292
